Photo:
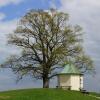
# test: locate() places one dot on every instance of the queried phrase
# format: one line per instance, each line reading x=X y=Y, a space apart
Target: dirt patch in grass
x=5 y=97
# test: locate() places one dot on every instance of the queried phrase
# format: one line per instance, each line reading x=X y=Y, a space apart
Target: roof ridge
x=70 y=69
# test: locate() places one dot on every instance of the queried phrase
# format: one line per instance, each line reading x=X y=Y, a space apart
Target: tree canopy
x=47 y=41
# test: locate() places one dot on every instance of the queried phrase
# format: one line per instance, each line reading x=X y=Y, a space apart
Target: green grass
x=95 y=94
x=44 y=94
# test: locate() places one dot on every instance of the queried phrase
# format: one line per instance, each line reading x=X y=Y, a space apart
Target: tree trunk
x=45 y=82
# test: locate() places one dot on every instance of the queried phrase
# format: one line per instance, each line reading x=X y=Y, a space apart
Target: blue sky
x=17 y=10
x=86 y=13
x=10 y=12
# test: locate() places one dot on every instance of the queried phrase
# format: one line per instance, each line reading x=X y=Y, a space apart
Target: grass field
x=44 y=94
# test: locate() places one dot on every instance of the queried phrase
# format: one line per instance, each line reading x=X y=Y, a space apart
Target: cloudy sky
x=86 y=13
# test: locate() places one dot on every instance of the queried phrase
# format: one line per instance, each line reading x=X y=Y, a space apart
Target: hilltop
x=44 y=94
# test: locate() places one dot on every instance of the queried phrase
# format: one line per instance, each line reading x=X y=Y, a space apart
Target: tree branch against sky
x=47 y=42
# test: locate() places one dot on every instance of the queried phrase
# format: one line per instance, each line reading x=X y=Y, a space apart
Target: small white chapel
x=70 y=78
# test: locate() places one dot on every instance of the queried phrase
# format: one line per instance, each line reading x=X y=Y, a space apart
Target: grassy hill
x=44 y=94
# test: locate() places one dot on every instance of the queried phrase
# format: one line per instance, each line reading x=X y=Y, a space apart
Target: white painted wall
x=75 y=81
x=64 y=80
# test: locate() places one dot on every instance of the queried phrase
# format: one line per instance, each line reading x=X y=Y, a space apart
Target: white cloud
x=86 y=13
x=52 y=4
x=6 y=27
x=6 y=2
x=2 y=16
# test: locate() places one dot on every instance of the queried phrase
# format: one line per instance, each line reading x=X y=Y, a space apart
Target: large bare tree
x=47 y=42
